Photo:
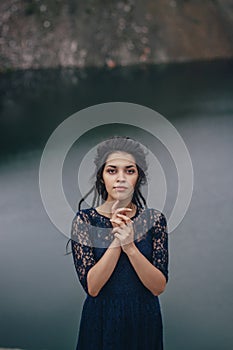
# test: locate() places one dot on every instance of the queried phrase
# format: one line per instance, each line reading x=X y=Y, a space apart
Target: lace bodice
x=91 y=234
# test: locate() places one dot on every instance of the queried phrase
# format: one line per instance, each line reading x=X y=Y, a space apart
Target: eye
x=132 y=171
x=110 y=171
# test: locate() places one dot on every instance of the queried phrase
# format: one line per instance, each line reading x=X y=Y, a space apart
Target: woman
x=120 y=252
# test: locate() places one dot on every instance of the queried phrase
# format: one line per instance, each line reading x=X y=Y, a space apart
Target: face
x=120 y=175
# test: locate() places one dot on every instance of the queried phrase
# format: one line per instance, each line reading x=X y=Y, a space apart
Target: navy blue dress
x=125 y=314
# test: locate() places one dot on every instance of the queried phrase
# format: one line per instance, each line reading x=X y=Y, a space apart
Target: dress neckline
x=106 y=217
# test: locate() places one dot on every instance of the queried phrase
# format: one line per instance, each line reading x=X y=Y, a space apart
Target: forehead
x=120 y=158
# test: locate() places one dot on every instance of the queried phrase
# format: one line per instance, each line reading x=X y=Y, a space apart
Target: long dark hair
x=104 y=149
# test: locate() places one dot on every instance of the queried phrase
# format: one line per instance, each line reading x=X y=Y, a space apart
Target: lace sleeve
x=82 y=249
x=160 y=243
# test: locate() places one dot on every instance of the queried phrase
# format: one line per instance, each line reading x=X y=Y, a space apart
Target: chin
x=122 y=197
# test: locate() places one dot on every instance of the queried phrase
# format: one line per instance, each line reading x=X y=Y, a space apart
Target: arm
x=100 y=273
x=153 y=275
x=82 y=249
x=92 y=275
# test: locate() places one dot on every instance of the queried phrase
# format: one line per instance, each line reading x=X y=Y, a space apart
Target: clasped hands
x=122 y=227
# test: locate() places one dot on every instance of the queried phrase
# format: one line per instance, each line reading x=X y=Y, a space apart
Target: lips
x=120 y=188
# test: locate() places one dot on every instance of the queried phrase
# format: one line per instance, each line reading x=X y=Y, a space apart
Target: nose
x=121 y=176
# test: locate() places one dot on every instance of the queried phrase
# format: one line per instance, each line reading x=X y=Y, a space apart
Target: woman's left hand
x=124 y=232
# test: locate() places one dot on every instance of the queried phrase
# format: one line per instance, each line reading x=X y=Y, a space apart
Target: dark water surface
x=41 y=298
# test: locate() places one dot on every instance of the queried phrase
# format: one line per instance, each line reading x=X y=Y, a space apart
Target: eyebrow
x=127 y=166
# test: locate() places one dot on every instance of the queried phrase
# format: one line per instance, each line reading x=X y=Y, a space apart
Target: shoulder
x=81 y=219
x=83 y=215
x=157 y=218
x=81 y=225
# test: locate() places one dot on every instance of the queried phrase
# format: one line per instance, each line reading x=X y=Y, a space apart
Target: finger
x=124 y=217
x=118 y=216
x=114 y=207
x=124 y=211
x=120 y=222
x=116 y=221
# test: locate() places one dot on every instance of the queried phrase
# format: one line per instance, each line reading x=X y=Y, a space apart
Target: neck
x=126 y=203
x=107 y=205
